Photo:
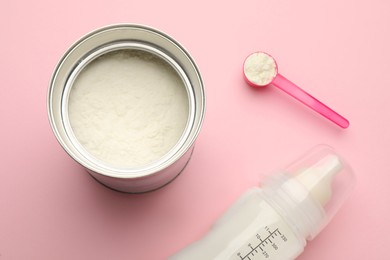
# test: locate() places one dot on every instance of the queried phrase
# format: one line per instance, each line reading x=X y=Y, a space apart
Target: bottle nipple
x=318 y=178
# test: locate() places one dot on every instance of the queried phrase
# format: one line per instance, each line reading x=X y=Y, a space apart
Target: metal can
x=127 y=37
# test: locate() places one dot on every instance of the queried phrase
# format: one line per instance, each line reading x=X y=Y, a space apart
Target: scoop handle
x=307 y=99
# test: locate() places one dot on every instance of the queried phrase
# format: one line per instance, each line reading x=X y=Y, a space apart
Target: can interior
x=123 y=46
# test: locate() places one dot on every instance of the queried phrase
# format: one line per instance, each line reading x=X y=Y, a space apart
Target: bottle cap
x=314 y=188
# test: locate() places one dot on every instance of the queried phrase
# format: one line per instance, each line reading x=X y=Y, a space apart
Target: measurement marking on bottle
x=262 y=243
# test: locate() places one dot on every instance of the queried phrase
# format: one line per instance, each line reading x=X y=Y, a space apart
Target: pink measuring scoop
x=260 y=70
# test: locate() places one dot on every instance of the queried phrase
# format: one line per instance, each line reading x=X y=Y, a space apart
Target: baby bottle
x=275 y=221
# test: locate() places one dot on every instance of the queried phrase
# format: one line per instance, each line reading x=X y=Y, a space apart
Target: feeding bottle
x=275 y=221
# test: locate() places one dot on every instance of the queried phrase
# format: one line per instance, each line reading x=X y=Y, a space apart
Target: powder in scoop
x=260 y=68
x=128 y=108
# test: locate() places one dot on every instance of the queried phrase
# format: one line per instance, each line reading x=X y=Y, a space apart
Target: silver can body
x=127 y=37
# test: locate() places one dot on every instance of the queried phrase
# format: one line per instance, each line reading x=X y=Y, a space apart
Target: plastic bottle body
x=252 y=229
x=275 y=221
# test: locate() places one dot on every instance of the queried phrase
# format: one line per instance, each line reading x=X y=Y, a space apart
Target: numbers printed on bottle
x=265 y=243
x=267 y=237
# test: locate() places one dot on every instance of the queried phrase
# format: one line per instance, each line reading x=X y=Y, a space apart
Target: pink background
x=336 y=50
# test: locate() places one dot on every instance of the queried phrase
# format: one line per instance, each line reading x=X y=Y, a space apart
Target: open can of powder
x=127 y=102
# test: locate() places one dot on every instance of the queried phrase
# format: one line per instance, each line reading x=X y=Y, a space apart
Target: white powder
x=128 y=108
x=260 y=68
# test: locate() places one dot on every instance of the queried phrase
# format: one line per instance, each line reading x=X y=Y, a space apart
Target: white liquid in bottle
x=275 y=221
